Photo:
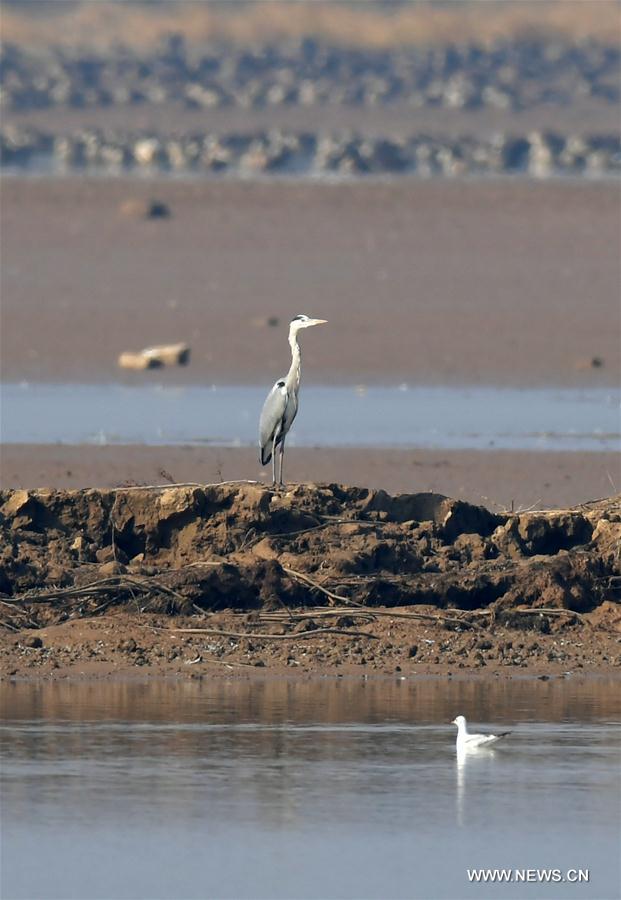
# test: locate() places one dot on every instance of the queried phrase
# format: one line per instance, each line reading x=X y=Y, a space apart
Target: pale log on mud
x=156 y=357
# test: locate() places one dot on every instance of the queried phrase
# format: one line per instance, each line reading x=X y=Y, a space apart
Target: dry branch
x=181 y=484
x=318 y=613
x=545 y=611
x=369 y=612
x=293 y=636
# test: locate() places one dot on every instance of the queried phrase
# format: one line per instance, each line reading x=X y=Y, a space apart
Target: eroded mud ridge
x=200 y=579
x=244 y=546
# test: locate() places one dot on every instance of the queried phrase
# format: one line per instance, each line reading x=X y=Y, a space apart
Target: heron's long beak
x=318 y=322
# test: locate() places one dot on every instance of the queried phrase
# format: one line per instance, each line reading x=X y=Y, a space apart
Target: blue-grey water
x=323 y=788
x=438 y=417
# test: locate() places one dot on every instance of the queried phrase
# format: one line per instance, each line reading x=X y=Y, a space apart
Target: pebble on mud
x=33 y=642
x=145 y=209
x=589 y=362
x=128 y=646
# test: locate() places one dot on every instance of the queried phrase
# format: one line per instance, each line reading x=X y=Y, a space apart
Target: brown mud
x=103 y=25
x=461 y=282
x=194 y=579
x=498 y=479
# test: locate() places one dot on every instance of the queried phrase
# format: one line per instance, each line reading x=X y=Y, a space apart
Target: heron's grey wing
x=291 y=410
x=271 y=421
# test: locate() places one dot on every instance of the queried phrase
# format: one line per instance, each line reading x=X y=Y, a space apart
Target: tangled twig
x=306 y=579
x=102 y=586
x=370 y=613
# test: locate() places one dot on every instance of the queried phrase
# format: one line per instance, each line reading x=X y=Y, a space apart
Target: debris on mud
x=155 y=357
x=340 y=575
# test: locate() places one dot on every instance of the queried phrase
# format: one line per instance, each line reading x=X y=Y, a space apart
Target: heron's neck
x=293 y=377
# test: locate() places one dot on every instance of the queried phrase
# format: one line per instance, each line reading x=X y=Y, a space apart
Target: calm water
x=442 y=417
x=316 y=789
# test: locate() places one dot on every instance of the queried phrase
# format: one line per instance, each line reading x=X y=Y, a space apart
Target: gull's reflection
x=467 y=758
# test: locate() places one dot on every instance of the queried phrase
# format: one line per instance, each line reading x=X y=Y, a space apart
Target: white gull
x=467 y=741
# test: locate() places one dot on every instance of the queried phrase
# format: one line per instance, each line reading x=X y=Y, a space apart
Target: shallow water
x=438 y=417
x=315 y=788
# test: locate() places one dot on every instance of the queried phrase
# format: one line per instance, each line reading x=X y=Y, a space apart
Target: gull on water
x=467 y=741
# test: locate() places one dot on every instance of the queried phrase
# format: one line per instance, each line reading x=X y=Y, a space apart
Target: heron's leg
x=274 y=461
x=281 y=460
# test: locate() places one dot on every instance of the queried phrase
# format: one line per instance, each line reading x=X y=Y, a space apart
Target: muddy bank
x=317 y=576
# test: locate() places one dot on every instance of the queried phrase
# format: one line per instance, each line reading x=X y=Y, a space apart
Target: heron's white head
x=303 y=321
x=459 y=721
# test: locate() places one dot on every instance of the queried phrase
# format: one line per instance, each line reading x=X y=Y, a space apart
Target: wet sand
x=589 y=114
x=131 y=646
x=497 y=282
x=497 y=479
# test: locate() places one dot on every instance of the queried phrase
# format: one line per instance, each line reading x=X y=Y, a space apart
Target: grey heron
x=281 y=406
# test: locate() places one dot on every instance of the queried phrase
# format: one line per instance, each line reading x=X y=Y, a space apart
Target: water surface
x=306 y=789
x=435 y=417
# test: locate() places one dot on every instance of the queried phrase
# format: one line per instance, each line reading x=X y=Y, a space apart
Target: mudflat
x=496 y=282
x=499 y=282
x=498 y=479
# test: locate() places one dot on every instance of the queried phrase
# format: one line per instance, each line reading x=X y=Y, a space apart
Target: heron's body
x=468 y=741
x=277 y=415
x=281 y=405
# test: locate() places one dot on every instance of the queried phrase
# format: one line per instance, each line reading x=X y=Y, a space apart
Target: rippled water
x=314 y=789
x=442 y=417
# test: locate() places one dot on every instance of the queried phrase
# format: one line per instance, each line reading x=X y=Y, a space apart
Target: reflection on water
x=443 y=417
x=317 y=788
